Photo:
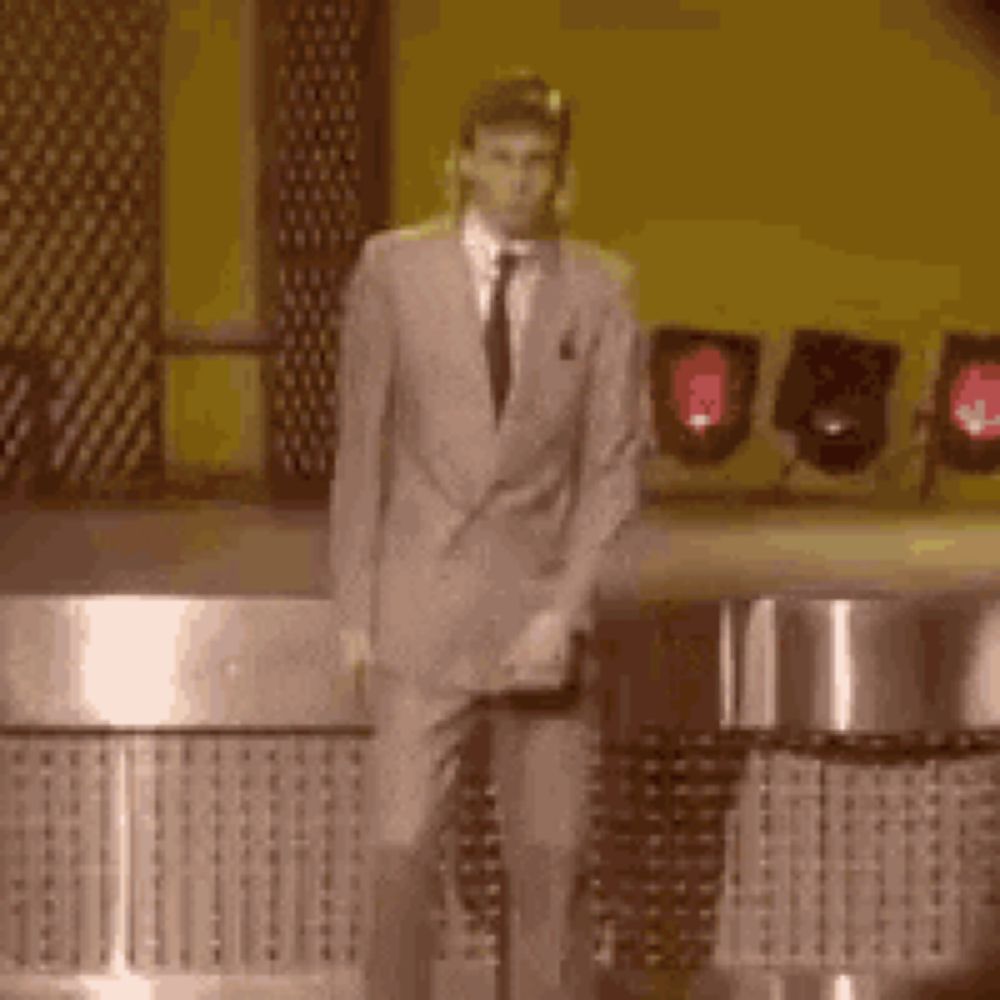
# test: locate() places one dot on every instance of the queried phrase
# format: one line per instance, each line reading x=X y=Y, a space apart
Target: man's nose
x=520 y=177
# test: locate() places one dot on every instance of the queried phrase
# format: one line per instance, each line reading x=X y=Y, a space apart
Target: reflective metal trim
x=142 y=661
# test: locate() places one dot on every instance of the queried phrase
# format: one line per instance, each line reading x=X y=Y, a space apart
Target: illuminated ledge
x=902 y=984
x=139 y=661
x=339 y=984
x=461 y=980
x=219 y=616
x=714 y=551
x=454 y=980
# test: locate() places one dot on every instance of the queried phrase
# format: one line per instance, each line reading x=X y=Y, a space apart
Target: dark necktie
x=498 y=334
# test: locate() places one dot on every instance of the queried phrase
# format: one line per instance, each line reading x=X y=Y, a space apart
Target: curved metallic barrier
x=868 y=665
x=133 y=661
x=842 y=825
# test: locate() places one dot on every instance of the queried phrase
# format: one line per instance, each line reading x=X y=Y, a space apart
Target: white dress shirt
x=484 y=249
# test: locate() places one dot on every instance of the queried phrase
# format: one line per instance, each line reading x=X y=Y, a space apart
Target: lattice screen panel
x=324 y=189
x=23 y=422
x=79 y=198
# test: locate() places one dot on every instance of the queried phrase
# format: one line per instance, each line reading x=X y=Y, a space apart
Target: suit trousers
x=542 y=754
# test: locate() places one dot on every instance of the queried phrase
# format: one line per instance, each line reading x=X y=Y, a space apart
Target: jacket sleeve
x=364 y=378
x=616 y=437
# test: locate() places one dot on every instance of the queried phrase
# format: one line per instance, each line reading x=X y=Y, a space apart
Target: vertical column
x=946 y=803
x=805 y=878
x=95 y=776
x=314 y=846
x=286 y=861
x=782 y=856
x=835 y=859
x=863 y=884
x=61 y=883
x=34 y=926
x=173 y=868
x=233 y=874
x=204 y=851
x=256 y=815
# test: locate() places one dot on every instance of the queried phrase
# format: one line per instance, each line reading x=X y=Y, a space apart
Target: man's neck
x=495 y=234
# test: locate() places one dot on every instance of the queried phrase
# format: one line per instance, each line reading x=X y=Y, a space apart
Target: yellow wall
x=797 y=163
x=208 y=194
x=766 y=165
x=213 y=405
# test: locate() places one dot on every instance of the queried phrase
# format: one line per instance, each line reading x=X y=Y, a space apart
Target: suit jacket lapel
x=488 y=443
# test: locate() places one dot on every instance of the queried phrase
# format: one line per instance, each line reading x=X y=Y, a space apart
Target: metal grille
x=79 y=196
x=324 y=190
x=659 y=846
x=23 y=439
x=246 y=852
x=778 y=851
x=862 y=860
x=58 y=865
x=472 y=870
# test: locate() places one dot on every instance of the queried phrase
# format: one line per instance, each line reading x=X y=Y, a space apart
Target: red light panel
x=974 y=403
x=700 y=389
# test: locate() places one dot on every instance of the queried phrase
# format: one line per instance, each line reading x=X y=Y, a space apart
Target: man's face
x=513 y=173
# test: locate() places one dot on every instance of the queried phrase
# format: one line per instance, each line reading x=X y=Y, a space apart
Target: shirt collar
x=486 y=247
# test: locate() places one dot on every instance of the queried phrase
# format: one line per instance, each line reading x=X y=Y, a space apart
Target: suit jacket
x=449 y=530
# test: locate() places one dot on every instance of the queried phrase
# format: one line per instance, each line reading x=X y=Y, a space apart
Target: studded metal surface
x=79 y=195
x=777 y=851
x=659 y=846
x=862 y=860
x=244 y=853
x=322 y=192
x=58 y=862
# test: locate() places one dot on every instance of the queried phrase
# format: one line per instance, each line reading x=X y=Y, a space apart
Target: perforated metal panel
x=325 y=182
x=58 y=863
x=659 y=846
x=779 y=851
x=472 y=867
x=246 y=852
x=863 y=858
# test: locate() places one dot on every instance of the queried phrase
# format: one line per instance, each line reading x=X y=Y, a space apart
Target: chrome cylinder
x=866 y=665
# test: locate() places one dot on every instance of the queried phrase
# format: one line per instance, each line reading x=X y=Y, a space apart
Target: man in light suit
x=490 y=430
